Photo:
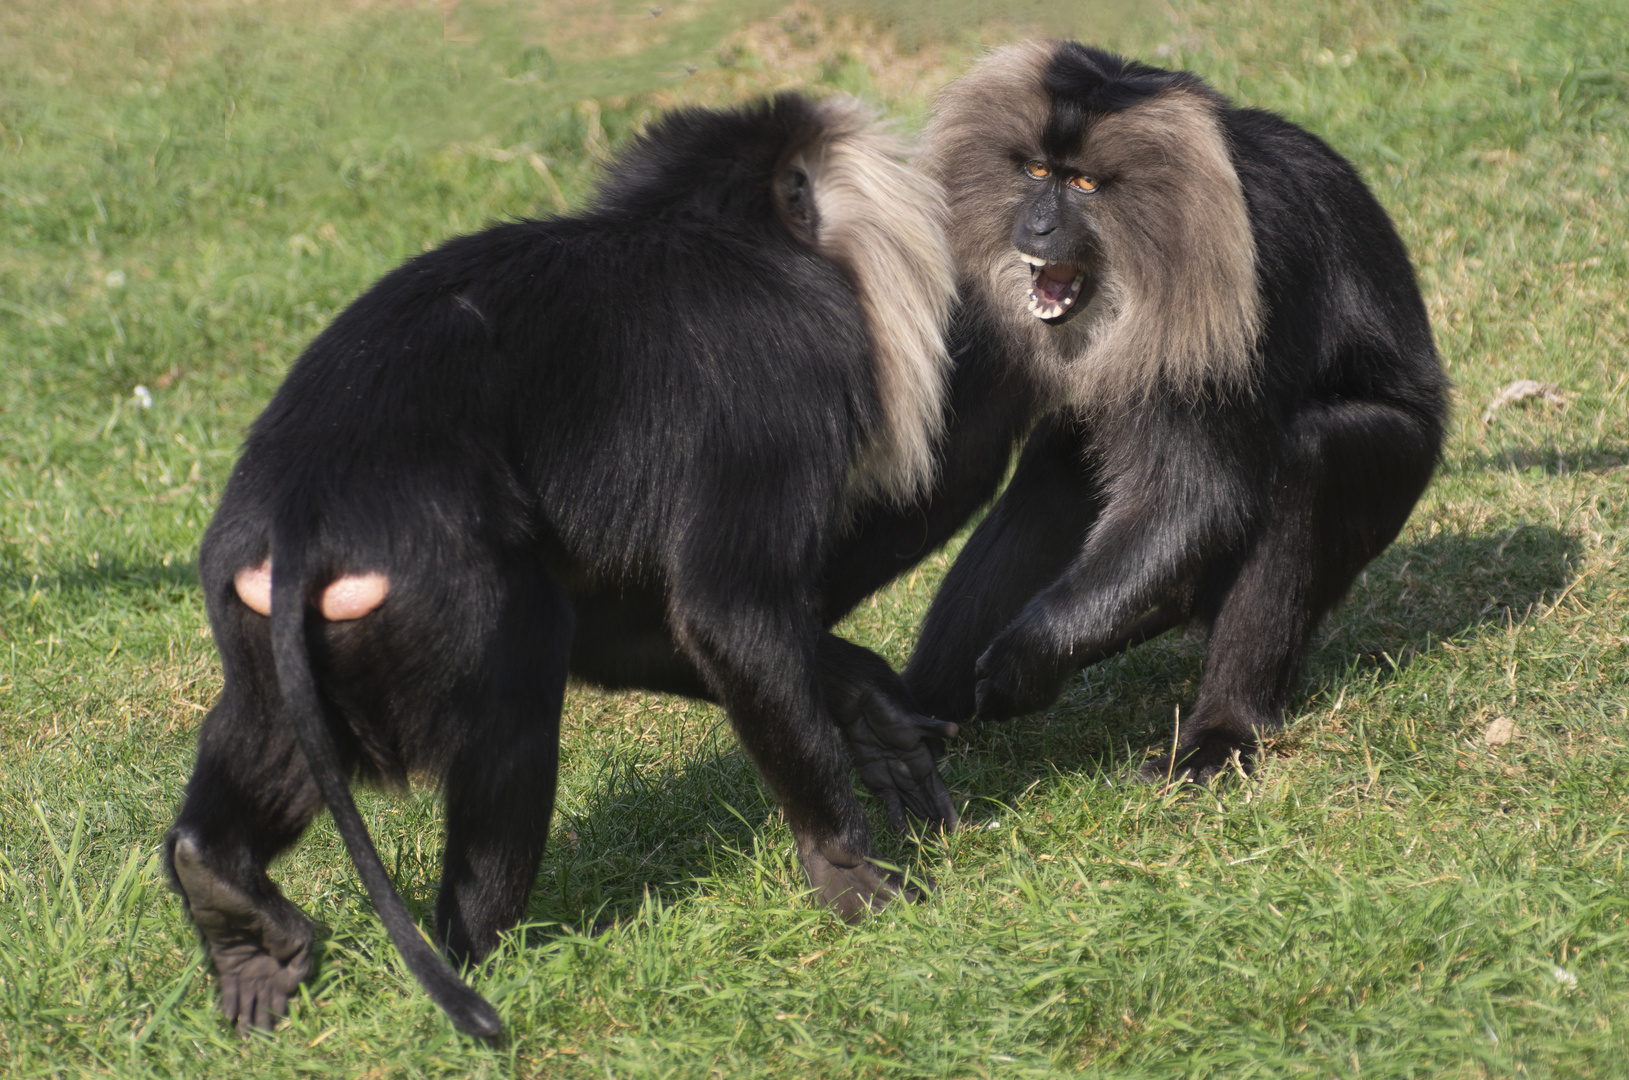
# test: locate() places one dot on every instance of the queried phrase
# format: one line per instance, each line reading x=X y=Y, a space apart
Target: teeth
x=1052 y=311
x=1031 y=259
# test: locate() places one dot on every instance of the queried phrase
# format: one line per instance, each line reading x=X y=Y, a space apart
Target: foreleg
x=760 y=659
x=1179 y=500
x=1025 y=542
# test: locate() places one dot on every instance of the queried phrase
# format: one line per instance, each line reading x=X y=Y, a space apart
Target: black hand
x=892 y=747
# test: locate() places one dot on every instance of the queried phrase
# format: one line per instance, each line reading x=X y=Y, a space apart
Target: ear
x=794 y=199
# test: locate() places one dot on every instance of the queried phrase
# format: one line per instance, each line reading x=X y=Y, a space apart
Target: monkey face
x=1055 y=237
x=1098 y=219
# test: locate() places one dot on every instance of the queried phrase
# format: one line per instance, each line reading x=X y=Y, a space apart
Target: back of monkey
x=685 y=381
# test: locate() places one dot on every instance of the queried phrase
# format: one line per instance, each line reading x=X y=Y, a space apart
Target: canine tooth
x=1032 y=260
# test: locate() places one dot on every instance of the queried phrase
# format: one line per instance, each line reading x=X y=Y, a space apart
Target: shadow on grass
x=673 y=826
x=109 y=574
x=651 y=828
x=1551 y=458
x=1451 y=587
x=636 y=829
x=668 y=829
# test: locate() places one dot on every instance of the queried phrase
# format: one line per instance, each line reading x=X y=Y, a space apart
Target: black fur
x=617 y=444
x=992 y=407
x=1083 y=80
x=1249 y=508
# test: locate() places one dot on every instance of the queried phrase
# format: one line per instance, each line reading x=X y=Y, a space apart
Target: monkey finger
x=895 y=789
x=906 y=787
x=915 y=779
x=935 y=813
x=279 y=1005
x=942 y=807
x=941 y=729
x=932 y=801
x=262 y=1013
x=229 y=1002
x=895 y=809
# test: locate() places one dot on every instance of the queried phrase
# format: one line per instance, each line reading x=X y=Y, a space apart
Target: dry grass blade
x=1524 y=390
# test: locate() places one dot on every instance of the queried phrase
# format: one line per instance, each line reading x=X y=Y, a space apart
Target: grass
x=1425 y=878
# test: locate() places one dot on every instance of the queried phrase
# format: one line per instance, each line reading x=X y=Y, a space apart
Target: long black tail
x=470 y=1012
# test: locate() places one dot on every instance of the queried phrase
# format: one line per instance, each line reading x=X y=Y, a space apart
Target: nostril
x=1041 y=228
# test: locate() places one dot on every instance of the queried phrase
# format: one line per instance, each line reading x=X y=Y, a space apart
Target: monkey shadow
x=668 y=831
x=1451 y=587
x=110 y=574
x=676 y=827
x=639 y=830
x=1552 y=458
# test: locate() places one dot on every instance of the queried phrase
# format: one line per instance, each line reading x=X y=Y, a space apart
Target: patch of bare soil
x=804 y=47
x=590 y=28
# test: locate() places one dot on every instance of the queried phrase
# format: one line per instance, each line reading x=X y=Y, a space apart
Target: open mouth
x=1054 y=289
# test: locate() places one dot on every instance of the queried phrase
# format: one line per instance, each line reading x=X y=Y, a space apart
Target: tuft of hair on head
x=978 y=121
x=1177 y=309
x=883 y=222
x=1185 y=305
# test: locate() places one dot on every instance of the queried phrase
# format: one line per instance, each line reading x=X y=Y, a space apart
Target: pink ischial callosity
x=353 y=596
x=345 y=598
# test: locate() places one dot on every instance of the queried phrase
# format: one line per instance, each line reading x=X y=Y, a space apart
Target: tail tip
x=477 y=1019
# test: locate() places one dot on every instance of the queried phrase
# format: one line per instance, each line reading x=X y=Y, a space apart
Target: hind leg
x=1350 y=477
x=500 y=784
x=249 y=798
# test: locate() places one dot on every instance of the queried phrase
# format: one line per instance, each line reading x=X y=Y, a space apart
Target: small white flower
x=114 y=279
x=143 y=396
x=1565 y=978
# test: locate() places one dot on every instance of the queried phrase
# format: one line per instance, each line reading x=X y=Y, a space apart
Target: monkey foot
x=261 y=946
x=854 y=891
x=1201 y=763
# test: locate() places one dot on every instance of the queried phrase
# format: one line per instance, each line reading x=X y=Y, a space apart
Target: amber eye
x=1037 y=170
x=1084 y=183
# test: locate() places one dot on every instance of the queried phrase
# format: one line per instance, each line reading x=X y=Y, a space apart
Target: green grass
x=189 y=190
